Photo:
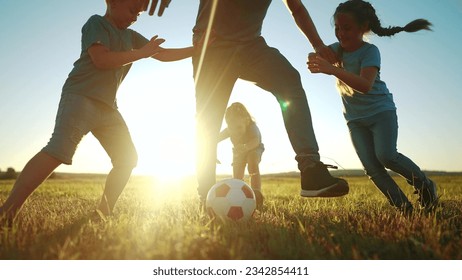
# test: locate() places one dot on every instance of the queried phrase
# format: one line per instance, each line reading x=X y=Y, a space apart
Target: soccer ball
x=231 y=199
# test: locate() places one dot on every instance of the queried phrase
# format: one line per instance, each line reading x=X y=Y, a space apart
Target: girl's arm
x=253 y=142
x=362 y=83
x=224 y=134
x=105 y=59
x=250 y=145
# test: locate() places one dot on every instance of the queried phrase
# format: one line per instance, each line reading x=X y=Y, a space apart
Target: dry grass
x=156 y=220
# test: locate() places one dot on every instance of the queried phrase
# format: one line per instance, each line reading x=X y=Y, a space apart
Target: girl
x=247 y=146
x=368 y=105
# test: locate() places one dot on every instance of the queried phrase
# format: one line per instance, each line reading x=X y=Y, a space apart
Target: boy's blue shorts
x=77 y=115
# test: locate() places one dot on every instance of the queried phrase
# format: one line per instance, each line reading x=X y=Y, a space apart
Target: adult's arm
x=162 y=5
x=305 y=24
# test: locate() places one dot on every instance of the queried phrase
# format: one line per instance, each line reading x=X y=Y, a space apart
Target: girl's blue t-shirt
x=85 y=79
x=357 y=105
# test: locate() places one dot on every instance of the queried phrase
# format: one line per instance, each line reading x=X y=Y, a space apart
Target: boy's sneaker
x=428 y=197
x=318 y=182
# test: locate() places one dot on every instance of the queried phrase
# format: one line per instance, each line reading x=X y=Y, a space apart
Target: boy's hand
x=163 y=4
x=317 y=64
x=152 y=47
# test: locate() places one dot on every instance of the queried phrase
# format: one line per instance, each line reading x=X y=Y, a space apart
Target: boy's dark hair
x=364 y=13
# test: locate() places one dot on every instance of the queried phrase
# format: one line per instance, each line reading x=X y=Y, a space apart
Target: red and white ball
x=231 y=199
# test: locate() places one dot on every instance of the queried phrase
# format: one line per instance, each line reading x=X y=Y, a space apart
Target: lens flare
x=284 y=105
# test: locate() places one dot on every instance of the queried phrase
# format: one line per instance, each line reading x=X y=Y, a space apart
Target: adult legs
x=214 y=83
x=270 y=70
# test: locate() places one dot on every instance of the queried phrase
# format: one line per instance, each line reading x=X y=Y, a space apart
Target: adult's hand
x=163 y=4
x=327 y=53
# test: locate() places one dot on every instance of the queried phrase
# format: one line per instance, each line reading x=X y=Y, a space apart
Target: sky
x=40 y=40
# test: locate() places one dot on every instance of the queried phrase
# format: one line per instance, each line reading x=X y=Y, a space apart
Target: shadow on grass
x=47 y=245
x=333 y=235
x=282 y=233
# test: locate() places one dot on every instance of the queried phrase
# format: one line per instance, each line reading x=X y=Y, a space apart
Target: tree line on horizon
x=10 y=173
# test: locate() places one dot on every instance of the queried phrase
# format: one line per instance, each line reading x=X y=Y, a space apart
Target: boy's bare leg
x=238 y=171
x=115 y=183
x=34 y=173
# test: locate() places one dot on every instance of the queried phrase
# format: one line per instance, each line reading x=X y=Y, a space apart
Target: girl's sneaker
x=406 y=209
x=428 y=197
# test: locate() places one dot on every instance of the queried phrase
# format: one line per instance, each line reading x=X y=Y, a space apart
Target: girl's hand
x=152 y=47
x=317 y=64
x=241 y=148
x=327 y=53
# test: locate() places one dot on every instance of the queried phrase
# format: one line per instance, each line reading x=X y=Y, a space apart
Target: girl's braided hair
x=364 y=13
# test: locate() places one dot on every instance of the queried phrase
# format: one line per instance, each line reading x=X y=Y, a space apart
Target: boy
x=88 y=104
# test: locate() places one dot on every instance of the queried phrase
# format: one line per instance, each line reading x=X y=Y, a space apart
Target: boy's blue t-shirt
x=85 y=79
x=359 y=105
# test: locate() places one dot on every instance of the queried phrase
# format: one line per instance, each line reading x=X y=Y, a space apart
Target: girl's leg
x=34 y=173
x=115 y=138
x=363 y=142
x=239 y=163
x=238 y=171
x=253 y=161
x=385 y=131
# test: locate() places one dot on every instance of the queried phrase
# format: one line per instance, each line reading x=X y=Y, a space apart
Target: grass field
x=159 y=220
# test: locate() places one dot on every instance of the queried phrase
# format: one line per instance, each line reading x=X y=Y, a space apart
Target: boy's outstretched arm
x=105 y=59
x=182 y=53
x=173 y=54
